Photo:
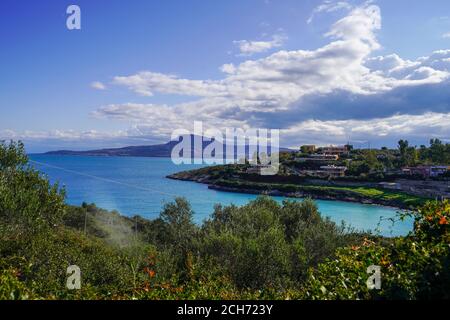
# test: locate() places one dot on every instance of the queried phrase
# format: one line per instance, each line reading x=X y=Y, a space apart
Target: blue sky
x=322 y=71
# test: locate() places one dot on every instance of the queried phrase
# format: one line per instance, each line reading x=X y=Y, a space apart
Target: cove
x=133 y=185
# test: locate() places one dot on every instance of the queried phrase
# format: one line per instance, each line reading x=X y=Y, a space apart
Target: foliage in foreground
x=263 y=250
x=412 y=267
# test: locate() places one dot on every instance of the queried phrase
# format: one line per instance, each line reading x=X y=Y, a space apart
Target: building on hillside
x=335 y=150
x=334 y=171
x=326 y=172
x=318 y=157
x=425 y=171
x=438 y=170
x=256 y=169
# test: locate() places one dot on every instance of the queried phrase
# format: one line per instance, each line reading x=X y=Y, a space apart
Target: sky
x=322 y=72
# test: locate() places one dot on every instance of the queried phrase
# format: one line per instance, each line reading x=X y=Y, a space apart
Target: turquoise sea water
x=134 y=185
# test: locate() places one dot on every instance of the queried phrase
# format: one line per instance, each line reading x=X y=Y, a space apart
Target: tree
x=178 y=216
x=26 y=197
x=372 y=162
x=412 y=267
x=357 y=168
x=408 y=155
x=181 y=230
x=249 y=243
x=402 y=146
x=437 y=151
x=36 y=247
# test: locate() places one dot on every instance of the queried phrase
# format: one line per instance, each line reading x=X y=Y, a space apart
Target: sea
x=138 y=186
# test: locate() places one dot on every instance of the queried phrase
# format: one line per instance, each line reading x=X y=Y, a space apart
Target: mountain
x=158 y=150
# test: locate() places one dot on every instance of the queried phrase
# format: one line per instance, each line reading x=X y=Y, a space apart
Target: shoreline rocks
x=186 y=176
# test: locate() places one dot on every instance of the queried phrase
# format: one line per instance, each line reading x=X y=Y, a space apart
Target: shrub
x=412 y=267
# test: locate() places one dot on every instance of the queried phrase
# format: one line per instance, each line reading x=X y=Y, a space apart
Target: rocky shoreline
x=277 y=193
x=186 y=176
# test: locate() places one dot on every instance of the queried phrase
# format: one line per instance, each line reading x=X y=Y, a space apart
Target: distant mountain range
x=157 y=150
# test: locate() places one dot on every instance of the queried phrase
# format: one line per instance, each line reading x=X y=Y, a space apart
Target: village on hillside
x=413 y=170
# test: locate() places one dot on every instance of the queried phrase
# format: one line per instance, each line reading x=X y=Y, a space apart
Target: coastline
x=303 y=191
x=277 y=193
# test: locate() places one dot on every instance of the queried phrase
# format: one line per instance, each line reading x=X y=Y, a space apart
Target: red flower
x=150 y=272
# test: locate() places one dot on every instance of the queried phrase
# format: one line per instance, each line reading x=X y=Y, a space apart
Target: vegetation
x=231 y=178
x=366 y=168
x=377 y=162
x=263 y=250
x=377 y=195
x=412 y=267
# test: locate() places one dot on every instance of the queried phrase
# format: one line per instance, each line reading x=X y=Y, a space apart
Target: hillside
x=158 y=150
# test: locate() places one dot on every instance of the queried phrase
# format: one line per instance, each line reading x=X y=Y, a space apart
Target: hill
x=158 y=150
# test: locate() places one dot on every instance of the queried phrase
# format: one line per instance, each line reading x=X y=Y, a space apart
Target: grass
x=389 y=197
x=223 y=176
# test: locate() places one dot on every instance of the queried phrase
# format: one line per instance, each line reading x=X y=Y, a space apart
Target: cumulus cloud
x=285 y=78
x=98 y=85
x=61 y=135
x=388 y=130
x=146 y=83
x=435 y=67
x=360 y=24
x=161 y=120
x=342 y=88
x=248 y=47
x=42 y=141
x=329 y=6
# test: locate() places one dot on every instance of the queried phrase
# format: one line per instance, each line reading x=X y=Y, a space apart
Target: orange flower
x=443 y=221
x=367 y=242
x=150 y=272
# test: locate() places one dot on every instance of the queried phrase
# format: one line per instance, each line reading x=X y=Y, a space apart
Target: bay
x=138 y=186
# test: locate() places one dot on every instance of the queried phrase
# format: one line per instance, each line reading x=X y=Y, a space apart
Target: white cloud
x=64 y=135
x=388 y=129
x=324 y=95
x=228 y=68
x=284 y=77
x=446 y=35
x=98 y=85
x=162 y=119
x=359 y=24
x=283 y=80
x=329 y=6
x=249 y=47
x=146 y=83
x=277 y=90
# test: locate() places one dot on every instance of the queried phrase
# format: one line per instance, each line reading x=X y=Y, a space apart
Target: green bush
x=11 y=288
x=26 y=197
x=264 y=244
x=263 y=250
x=412 y=267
